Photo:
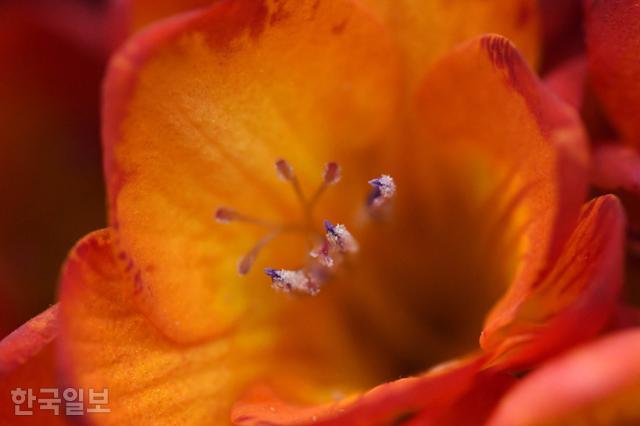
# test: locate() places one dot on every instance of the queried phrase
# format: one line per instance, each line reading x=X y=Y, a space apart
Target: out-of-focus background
x=51 y=190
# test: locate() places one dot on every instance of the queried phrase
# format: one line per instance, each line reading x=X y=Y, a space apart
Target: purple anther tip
x=376 y=183
x=328 y=226
x=273 y=273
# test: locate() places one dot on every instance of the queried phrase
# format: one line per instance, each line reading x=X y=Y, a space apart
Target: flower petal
x=485 y=116
x=613 y=42
x=626 y=316
x=427 y=29
x=105 y=342
x=598 y=383
x=576 y=298
x=616 y=169
x=28 y=340
x=432 y=396
x=197 y=110
x=513 y=120
x=27 y=362
x=567 y=81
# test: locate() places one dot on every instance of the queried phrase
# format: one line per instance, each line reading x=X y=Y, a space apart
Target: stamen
x=332 y=173
x=227 y=214
x=333 y=247
x=289 y=280
x=384 y=188
x=246 y=262
x=285 y=172
x=340 y=239
x=330 y=176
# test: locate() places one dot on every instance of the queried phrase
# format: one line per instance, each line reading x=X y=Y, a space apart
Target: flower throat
x=326 y=249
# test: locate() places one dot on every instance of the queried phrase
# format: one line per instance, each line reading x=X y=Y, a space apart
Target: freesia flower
x=459 y=214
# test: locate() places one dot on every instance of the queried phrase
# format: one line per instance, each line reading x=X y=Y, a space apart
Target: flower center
x=325 y=251
x=410 y=288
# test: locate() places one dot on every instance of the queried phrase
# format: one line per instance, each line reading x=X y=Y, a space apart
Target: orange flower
x=489 y=175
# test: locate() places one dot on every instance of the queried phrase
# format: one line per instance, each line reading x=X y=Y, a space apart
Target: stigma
x=329 y=245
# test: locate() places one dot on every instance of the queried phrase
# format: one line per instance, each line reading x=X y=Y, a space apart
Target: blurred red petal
x=613 y=43
x=598 y=383
x=568 y=81
x=616 y=167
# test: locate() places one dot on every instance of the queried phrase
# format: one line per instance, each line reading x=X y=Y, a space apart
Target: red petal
x=27 y=362
x=613 y=43
x=575 y=299
x=598 y=383
x=430 y=396
x=568 y=81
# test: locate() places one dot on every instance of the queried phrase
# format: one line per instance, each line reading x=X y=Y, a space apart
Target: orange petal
x=196 y=111
x=27 y=362
x=250 y=102
x=493 y=118
x=427 y=29
x=430 y=397
x=598 y=383
x=485 y=116
x=105 y=342
x=613 y=43
x=576 y=298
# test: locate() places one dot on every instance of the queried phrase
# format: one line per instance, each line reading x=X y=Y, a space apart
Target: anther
x=322 y=254
x=333 y=246
x=225 y=215
x=285 y=170
x=330 y=176
x=384 y=188
x=340 y=239
x=332 y=173
x=291 y=280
